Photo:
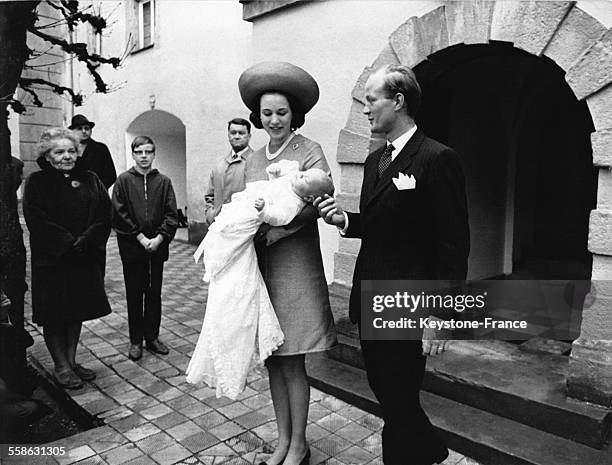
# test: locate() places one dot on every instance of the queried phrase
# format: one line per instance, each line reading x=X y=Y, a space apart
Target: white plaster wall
x=201 y=48
x=334 y=41
x=170 y=162
x=598 y=9
x=13 y=125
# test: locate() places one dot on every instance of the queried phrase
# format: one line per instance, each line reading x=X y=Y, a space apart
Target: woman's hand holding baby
x=274 y=170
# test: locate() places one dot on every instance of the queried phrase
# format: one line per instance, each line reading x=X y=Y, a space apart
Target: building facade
x=177 y=84
x=521 y=89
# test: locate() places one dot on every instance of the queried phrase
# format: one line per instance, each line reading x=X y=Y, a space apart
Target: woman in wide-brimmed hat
x=279 y=95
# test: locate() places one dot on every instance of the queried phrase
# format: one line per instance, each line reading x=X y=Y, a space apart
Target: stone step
x=499 y=378
x=488 y=438
x=348 y=351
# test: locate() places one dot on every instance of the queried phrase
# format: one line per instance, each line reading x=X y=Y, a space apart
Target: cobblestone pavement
x=152 y=416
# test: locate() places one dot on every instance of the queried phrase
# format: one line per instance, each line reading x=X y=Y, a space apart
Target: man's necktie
x=385 y=160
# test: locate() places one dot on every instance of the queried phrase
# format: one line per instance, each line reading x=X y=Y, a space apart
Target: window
x=98 y=42
x=146 y=23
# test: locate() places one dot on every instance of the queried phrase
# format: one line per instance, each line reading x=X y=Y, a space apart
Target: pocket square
x=404 y=182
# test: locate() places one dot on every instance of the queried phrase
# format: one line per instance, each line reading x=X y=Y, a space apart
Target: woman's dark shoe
x=304 y=461
x=158 y=347
x=266 y=463
x=67 y=379
x=84 y=373
x=135 y=352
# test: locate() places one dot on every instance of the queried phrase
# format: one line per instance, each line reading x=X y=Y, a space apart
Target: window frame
x=141 y=29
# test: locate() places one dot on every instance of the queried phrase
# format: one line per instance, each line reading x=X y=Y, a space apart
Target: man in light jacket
x=227 y=177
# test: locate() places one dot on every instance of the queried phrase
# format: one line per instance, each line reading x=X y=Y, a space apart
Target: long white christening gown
x=240 y=328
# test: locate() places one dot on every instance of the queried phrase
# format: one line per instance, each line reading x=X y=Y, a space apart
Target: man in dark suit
x=94 y=155
x=413 y=225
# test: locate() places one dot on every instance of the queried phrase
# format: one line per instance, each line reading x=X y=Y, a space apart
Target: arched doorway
x=525 y=141
x=168 y=133
x=570 y=35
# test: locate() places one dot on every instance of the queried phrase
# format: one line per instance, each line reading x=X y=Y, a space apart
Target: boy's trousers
x=143 y=283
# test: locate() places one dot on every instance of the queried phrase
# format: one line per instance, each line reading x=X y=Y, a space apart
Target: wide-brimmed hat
x=278 y=76
x=80 y=120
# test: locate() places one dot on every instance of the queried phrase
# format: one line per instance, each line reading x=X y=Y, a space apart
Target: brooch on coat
x=75 y=183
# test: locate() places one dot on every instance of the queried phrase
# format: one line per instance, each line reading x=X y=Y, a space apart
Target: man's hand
x=431 y=344
x=5 y=306
x=330 y=211
x=259 y=204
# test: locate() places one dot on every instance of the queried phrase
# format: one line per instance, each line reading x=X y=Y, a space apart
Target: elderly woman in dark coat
x=67 y=210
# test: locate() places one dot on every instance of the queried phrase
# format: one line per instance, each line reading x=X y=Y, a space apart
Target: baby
x=240 y=327
x=275 y=202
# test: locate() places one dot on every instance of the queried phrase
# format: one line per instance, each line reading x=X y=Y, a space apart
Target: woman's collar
x=272 y=156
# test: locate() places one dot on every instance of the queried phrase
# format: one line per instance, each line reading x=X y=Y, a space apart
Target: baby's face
x=305 y=183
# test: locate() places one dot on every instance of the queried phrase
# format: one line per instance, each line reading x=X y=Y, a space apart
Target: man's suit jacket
x=419 y=233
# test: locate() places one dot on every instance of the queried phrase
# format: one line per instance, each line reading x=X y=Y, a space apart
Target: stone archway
x=579 y=44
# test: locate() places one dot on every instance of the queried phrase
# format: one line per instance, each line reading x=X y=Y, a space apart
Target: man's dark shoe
x=135 y=352
x=158 y=347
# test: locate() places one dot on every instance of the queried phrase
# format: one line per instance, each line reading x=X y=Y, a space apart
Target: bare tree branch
x=67 y=16
x=79 y=49
x=25 y=83
x=72 y=13
x=44 y=65
x=36 y=100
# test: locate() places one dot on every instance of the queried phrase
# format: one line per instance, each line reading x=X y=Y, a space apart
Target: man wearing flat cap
x=94 y=155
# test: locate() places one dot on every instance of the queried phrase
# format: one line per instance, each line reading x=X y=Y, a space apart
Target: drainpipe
x=71 y=73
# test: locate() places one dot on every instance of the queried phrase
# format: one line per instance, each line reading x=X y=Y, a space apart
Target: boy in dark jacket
x=145 y=219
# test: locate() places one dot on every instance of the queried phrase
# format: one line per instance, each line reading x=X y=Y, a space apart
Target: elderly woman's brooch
x=75 y=183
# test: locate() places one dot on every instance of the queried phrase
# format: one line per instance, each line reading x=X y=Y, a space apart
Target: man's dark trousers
x=395 y=374
x=143 y=283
